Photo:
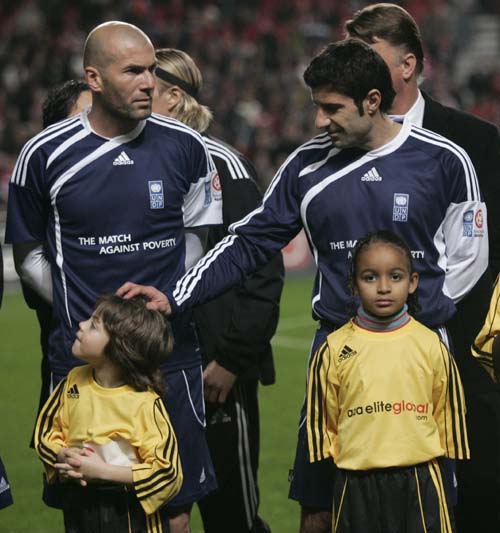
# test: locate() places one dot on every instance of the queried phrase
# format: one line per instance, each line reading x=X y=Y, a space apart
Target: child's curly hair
x=139 y=339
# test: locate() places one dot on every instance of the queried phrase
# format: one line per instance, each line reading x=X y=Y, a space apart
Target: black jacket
x=481 y=140
x=236 y=328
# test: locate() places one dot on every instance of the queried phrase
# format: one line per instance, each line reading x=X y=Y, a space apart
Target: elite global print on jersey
x=396 y=408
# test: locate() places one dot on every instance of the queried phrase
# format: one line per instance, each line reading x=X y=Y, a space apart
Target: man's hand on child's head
x=157 y=301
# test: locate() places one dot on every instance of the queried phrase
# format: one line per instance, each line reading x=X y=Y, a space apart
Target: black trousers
x=233 y=439
x=108 y=509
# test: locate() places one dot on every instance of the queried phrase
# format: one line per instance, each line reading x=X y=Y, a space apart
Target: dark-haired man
x=64 y=101
x=364 y=172
x=394 y=34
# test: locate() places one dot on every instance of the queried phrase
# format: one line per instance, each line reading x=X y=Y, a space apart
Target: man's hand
x=157 y=300
x=218 y=382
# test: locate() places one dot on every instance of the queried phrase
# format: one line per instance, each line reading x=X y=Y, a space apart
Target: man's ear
x=408 y=66
x=372 y=101
x=93 y=79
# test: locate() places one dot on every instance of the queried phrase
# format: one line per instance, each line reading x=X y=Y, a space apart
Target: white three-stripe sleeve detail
x=20 y=172
x=186 y=284
x=235 y=166
x=65 y=145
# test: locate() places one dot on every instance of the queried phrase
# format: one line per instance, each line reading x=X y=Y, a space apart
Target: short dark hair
x=60 y=100
x=139 y=339
x=391 y=23
x=352 y=69
x=386 y=237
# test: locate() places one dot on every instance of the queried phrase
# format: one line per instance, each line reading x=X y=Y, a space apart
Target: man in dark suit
x=394 y=34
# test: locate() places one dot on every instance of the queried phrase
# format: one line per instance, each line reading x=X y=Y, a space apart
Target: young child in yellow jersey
x=486 y=347
x=105 y=430
x=385 y=402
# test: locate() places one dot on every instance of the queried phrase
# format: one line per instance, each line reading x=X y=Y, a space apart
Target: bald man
x=114 y=194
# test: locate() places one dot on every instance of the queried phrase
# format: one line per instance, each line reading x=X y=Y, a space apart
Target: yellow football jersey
x=124 y=426
x=384 y=399
x=483 y=345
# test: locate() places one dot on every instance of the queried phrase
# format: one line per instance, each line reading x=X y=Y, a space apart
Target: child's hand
x=82 y=465
x=86 y=465
x=64 y=453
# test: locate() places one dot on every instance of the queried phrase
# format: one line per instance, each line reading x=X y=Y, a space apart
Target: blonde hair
x=182 y=66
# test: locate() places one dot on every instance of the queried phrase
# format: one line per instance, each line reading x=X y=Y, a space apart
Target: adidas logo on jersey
x=371 y=175
x=73 y=392
x=346 y=353
x=123 y=159
x=4 y=485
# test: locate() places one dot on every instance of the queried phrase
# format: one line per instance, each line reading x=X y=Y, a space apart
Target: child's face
x=91 y=339
x=383 y=279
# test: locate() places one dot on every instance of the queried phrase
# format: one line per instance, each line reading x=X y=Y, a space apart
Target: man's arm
x=33 y=268
x=466 y=256
x=236 y=328
x=252 y=242
x=462 y=238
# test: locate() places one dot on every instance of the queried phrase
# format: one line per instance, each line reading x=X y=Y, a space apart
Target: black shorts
x=414 y=499
x=113 y=508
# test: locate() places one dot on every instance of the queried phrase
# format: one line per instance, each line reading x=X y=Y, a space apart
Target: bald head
x=109 y=39
x=119 y=64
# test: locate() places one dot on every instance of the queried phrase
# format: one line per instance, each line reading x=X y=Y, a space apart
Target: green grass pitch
x=279 y=405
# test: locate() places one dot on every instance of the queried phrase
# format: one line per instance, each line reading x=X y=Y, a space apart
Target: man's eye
x=369 y=277
x=396 y=277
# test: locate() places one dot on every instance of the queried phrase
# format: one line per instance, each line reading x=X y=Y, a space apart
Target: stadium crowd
x=252 y=55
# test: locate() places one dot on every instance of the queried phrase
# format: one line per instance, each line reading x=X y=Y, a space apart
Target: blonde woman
x=236 y=328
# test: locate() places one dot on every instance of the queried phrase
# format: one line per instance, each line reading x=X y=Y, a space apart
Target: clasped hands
x=79 y=464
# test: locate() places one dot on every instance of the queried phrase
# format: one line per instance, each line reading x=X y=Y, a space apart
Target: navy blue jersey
x=420 y=185
x=112 y=210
